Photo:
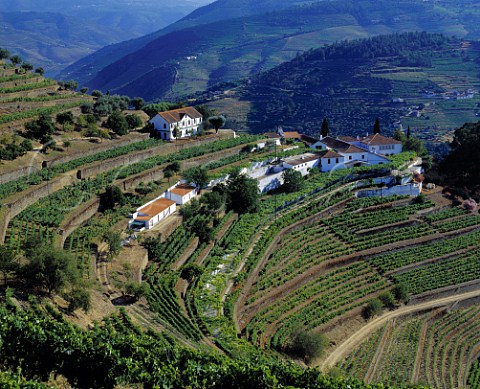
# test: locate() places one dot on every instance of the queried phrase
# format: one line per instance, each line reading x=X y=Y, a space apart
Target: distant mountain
x=56 y=33
x=426 y=81
x=181 y=62
x=86 y=68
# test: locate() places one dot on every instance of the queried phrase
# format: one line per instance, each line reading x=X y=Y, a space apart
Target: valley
x=229 y=220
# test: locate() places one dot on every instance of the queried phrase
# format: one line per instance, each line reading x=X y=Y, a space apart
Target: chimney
x=321 y=137
x=367 y=133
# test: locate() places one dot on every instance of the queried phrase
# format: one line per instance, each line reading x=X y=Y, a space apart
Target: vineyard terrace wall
x=22 y=200
x=129 y=159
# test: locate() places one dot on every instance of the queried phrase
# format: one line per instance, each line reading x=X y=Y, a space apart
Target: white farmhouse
x=181 y=194
x=379 y=144
x=152 y=213
x=302 y=163
x=186 y=121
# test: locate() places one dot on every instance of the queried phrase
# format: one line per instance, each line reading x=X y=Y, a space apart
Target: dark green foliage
x=8 y=262
x=64 y=118
x=70 y=84
x=174 y=167
x=117 y=123
x=138 y=102
x=12 y=151
x=461 y=166
x=41 y=129
x=78 y=298
x=373 y=307
x=133 y=121
x=49 y=269
x=324 y=130
x=242 y=194
x=387 y=299
x=27 y=66
x=112 y=197
x=102 y=358
x=97 y=93
x=401 y=293
x=114 y=242
x=293 y=181
x=15 y=60
x=83 y=89
x=197 y=176
x=414 y=144
x=152 y=109
x=106 y=104
x=137 y=289
x=217 y=121
x=376 y=126
x=201 y=227
x=4 y=54
x=191 y=271
x=308 y=345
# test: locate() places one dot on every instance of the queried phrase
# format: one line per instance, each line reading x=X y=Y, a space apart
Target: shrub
x=308 y=345
x=373 y=307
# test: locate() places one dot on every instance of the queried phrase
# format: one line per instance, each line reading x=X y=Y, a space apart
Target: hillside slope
x=244 y=46
x=54 y=34
x=425 y=81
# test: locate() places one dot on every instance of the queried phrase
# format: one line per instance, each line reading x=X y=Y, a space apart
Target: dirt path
x=420 y=352
x=342 y=351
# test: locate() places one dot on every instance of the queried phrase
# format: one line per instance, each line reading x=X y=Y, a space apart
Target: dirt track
x=354 y=340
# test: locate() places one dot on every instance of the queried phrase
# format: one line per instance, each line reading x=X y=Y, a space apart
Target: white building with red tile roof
x=379 y=144
x=152 y=213
x=186 y=121
x=182 y=193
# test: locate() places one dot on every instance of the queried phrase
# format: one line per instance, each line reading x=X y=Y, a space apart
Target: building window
x=164 y=125
x=336 y=160
x=363 y=156
x=350 y=157
x=329 y=161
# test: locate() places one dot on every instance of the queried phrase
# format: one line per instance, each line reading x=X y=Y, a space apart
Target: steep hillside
x=222 y=51
x=87 y=67
x=54 y=34
x=425 y=81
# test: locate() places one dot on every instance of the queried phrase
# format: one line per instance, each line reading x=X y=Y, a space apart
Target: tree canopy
x=217 y=121
x=293 y=181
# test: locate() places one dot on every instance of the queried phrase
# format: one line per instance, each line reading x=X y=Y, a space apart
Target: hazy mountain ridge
x=243 y=46
x=54 y=33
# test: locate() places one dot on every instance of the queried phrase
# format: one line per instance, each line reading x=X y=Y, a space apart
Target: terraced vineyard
x=435 y=348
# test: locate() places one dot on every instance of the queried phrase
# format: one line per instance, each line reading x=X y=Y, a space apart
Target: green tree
x=376 y=126
x=324 y=130
x=198 y=176
x=307 y=345
x=408 y=132
x=40 y=71
x=15 y=60
x=133 y=121
x=50 y=268
x=176 y=132
x=64 y=118
x=175 y=167
x=217 y=122
x=41 y=129
x=27 y=67
x=293 y=181
x=168 y=174
x=214 y=203
x=137 y=289
x=201 y=227
x=96 y=93
x=4 y=54
x=401 y=293
x=399 y=135
x=84 y=90
x=373 y=307
x=416 y=145
x=138 y=103
x=117 y=123
x=114 y=242
x=78 y=298
x=112 y=197
x=8 y=262
x=243 y=194
x=387 y=299
x=191 y=271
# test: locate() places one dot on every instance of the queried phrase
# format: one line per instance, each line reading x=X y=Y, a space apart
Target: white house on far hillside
x=184 y=120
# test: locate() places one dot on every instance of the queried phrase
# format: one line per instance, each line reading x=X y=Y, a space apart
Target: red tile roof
x=154 y=208
x=378 y=139
x=182 y=190
x=291 y=135
x=175 y=115
x=332 y=154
